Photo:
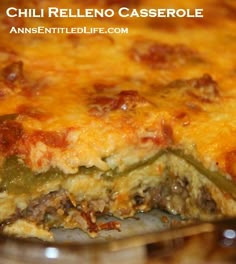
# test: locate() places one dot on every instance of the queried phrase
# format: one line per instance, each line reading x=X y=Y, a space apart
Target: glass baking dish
x=149 y=238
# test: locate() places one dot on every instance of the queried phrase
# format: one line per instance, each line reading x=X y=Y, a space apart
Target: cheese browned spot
x=124 y=101
x=10 y=134
x=159 y=55
x=230 y=160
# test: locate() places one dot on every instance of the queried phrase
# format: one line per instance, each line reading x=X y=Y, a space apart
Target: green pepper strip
x=16 y=177
x=217 y=178
x=135 y=166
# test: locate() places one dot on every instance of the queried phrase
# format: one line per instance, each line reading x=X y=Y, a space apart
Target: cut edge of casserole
x=169 y=180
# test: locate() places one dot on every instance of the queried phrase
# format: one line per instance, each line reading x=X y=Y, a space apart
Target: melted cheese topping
x=111 y=100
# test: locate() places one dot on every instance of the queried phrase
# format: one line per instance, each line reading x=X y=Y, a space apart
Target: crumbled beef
x=206 y=202
x=51 y=209
x=47 y=204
